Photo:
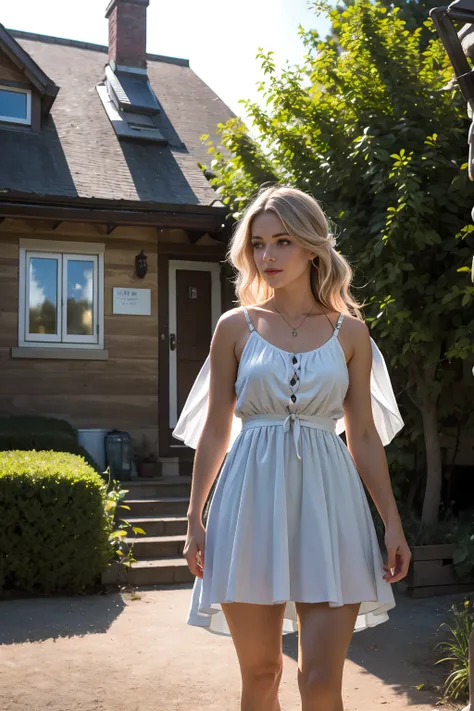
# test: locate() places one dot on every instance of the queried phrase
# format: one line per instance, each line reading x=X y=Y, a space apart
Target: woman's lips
x=273 y=271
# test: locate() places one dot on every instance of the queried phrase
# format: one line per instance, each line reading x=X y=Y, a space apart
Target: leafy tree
x=374 y=132
x=414 y=14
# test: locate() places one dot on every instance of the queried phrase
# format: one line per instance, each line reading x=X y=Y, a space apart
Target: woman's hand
x=194 y=548
x=398 y=552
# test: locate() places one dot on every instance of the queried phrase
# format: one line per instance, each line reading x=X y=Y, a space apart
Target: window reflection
x=43 y=291
x=80 y=297
x=13 y=104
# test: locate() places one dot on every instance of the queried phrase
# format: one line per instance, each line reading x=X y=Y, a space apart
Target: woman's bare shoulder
x=230 y=313
x=232 y=318
x=356 y=326
x=229 y=325
x=353 y=333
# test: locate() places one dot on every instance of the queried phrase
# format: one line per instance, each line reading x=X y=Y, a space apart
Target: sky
x=220 y=37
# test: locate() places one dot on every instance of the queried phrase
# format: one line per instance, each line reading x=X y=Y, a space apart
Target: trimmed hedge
x=47 y=434
x=36 y=423
x=53 y=524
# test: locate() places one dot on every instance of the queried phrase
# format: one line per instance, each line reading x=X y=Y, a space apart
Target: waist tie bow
x=292 y=422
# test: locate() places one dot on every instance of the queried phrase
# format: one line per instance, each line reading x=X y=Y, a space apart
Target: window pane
x=43 y=287
x=13 y=104
x=80 y=297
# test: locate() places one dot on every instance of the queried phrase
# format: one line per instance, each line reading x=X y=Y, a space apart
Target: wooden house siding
x=121 y=391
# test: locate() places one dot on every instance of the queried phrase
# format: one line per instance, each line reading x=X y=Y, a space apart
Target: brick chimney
x=127 y=32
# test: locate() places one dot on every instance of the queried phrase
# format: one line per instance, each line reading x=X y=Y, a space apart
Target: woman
x=290 y=542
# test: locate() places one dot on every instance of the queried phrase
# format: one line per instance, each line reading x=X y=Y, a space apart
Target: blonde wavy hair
x=303 y=219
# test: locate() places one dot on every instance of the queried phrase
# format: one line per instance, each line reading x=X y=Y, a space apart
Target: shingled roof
x=77 y=153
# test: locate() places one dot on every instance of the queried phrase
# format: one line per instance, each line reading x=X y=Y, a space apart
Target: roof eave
x=42 y=83
x=123 y=212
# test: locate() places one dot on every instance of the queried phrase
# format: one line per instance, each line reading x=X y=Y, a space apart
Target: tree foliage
x=372 y=127
x=413 y=13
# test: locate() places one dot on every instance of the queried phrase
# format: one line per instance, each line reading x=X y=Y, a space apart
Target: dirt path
x=117 y=653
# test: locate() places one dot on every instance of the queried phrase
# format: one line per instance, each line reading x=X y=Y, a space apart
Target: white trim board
x=52 y=245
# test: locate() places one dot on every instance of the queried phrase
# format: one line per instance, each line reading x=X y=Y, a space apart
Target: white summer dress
x=289 y=519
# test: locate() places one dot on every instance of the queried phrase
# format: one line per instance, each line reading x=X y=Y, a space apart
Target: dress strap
x=250 y=324
x=338 y=323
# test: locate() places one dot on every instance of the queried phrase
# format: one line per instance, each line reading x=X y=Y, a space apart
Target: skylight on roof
x=131 y=91
x=128 y=124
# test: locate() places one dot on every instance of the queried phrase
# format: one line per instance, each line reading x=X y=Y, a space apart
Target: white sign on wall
x=135 y=302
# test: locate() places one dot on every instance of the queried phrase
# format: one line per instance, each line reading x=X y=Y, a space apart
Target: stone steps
x=159 y=507
x=164 y=571
x=164 y=525
x=156 y=547
x=156 y=507
x=157 y=488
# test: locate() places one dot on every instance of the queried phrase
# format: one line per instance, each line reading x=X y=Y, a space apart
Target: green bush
x=456 y=649
x=53 y=523
x=47 y=442
x=41 y=434
x=36 y=423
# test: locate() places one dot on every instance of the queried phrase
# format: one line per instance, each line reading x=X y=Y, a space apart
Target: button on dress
x=289 y=519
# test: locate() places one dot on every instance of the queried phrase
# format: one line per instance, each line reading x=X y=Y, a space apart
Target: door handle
x=173 y=342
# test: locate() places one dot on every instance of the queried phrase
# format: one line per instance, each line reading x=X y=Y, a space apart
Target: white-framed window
x=61 y=299
x=15 y=105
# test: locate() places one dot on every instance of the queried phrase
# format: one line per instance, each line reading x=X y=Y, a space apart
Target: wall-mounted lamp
x=141 y=265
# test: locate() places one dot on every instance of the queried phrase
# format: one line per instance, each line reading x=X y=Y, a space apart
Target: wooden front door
x=195 y=304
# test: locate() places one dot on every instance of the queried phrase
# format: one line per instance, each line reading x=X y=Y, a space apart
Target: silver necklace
x=294 y=329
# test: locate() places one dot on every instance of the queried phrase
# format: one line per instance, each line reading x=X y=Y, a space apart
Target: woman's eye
x=257 y=245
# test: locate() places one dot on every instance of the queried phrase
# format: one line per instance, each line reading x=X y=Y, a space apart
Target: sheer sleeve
x=387 y=417
x=193 y=415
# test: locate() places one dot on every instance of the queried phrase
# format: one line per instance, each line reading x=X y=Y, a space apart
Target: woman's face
x=274 y=248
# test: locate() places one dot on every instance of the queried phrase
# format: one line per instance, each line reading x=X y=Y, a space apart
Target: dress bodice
x=274 y=381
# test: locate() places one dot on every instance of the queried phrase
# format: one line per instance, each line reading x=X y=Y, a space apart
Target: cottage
x=112 y=240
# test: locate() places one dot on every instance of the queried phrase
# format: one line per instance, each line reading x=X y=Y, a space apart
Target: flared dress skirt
x=289 y=520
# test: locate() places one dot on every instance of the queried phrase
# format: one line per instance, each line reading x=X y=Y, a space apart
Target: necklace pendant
x=294 y=332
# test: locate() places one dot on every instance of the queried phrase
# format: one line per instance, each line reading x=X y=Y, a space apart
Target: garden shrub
x=36 y=423
x=53 y=523
x=41 y=434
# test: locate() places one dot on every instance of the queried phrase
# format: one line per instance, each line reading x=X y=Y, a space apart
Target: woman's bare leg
x=324 y=637
x=257 y=635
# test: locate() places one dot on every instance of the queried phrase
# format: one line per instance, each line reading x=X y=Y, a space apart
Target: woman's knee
x=266 y=673
x=319 y=685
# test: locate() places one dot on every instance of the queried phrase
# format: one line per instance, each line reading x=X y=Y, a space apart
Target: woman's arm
x=366 y=448
x=214 y=440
